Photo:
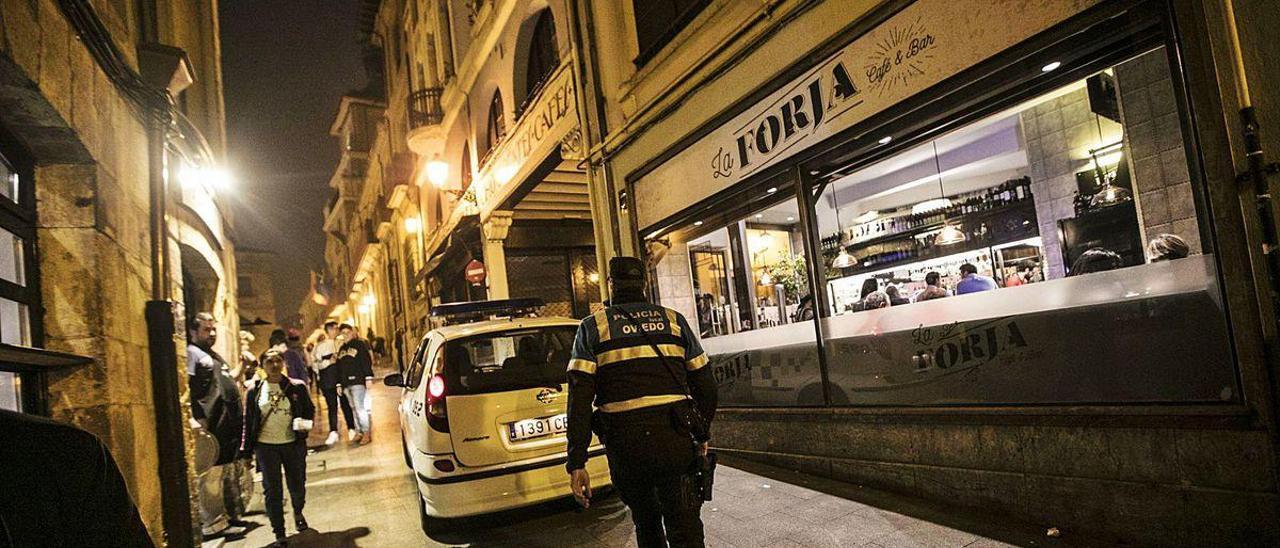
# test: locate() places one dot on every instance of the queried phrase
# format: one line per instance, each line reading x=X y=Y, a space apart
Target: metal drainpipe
x=175 y=491
x=1257 y=171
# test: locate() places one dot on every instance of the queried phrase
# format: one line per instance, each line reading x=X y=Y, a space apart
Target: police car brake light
x=435 y=388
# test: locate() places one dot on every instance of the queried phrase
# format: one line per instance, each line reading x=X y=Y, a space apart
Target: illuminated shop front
x=934 y=230
x=1017 y=189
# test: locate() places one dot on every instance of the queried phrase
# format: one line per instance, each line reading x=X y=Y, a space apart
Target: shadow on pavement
x=312 y=538
x=531 y=526
x=1001 y=528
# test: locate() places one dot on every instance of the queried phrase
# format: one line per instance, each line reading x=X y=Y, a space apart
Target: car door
x=413 y=404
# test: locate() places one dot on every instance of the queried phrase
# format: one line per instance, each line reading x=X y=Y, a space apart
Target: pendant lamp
x=950 y=234
x=843 y=259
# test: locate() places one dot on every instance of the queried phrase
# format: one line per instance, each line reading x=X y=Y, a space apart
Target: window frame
x=956 y=103
x=19 y=217
x=678 y=24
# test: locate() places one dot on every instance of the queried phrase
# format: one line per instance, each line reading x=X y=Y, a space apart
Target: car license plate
x=537 y=428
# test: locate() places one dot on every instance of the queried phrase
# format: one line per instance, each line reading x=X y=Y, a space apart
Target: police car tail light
x=435 y=389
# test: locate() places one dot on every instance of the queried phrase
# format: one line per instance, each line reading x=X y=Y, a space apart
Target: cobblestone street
x=364 y=496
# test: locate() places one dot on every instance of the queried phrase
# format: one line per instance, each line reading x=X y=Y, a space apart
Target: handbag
x=696 y=486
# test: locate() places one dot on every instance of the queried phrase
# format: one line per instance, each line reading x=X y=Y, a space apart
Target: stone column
x=495 y=256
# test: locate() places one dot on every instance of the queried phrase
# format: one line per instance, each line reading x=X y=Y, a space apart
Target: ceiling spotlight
x=759 y=215
x=1051 y=66
x=772 y=189
x=885 y=140
x=697 y=223
x=789 y=218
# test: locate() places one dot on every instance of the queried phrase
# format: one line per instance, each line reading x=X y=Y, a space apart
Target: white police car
x=483 y=410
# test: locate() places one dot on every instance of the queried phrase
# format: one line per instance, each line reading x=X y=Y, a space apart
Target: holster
x=697 y=484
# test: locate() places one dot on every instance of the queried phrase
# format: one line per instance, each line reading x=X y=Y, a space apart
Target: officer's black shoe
x=301 y=523
x=282 y=539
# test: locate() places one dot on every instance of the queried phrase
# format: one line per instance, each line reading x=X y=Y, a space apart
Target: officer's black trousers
x=647 y=458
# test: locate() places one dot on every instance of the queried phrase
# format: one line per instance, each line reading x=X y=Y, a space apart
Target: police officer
x=642 y=367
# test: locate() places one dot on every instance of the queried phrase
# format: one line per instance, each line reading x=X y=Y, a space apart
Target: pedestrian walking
x=290 y=350
x=215 y=408
x=355 y=367
x=643 y=369
x=277 y=418
x=325 y=357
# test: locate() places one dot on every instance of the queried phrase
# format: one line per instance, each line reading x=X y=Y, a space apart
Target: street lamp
x=437 y=172
x=211 y=177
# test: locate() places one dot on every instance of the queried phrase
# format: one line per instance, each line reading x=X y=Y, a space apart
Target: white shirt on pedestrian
x=278 y=427
x=325 y=348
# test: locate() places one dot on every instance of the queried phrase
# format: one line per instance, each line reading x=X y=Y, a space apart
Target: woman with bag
x=278 y=415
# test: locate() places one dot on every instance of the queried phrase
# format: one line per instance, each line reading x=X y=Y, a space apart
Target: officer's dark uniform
x=617 y=369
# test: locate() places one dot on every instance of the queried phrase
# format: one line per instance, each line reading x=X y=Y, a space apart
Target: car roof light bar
x=479 y=310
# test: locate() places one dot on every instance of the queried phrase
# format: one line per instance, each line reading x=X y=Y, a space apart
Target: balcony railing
x=424 y=108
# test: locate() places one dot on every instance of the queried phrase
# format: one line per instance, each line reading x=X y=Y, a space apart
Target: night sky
x=285 y=65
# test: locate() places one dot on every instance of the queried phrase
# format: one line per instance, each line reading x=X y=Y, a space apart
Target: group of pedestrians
x=261 y=409
x=343 y=363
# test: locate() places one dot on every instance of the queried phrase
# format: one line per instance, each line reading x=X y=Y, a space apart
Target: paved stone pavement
x=365 y=496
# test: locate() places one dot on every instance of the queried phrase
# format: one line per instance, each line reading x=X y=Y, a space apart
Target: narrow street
x=364 y=496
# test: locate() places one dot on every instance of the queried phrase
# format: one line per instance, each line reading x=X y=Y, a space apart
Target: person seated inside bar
x=1095 y=259
x=972 y=282
x=1167 y=247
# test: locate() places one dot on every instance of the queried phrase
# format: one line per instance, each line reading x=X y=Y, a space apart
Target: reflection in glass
x=14 y=325
x=10 y=391
x=11 y=258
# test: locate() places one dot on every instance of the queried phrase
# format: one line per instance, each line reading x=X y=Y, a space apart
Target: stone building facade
x=474 y=161
x=81 y=148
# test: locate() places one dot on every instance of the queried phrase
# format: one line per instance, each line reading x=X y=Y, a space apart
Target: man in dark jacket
x=62 y=488
x=355 y=367
x=216 y=407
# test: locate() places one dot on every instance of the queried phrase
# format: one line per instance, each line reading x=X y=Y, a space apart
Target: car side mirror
x=394 y=379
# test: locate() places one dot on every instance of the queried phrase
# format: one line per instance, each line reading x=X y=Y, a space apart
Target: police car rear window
x=508 y=360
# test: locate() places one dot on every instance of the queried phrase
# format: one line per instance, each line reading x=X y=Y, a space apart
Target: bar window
x=740 y=276
x=1050 y=253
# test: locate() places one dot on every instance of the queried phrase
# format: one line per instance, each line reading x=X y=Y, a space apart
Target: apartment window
x=658 y=21
x=497 y=125
x=19 y=289
x=543 y=54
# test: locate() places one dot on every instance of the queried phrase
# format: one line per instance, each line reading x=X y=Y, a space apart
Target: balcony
x=424 y=108
x=425 y=115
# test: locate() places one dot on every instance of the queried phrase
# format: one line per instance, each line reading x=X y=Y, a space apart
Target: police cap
x=626 y=270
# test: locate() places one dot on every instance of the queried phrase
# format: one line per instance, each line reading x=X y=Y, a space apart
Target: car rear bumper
x=466 y=492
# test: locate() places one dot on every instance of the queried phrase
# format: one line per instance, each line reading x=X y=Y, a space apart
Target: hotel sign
x=548 y=120
x=918 y=47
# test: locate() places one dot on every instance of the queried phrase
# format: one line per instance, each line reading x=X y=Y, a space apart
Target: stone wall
x=92 y=201
x=1157 y=159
